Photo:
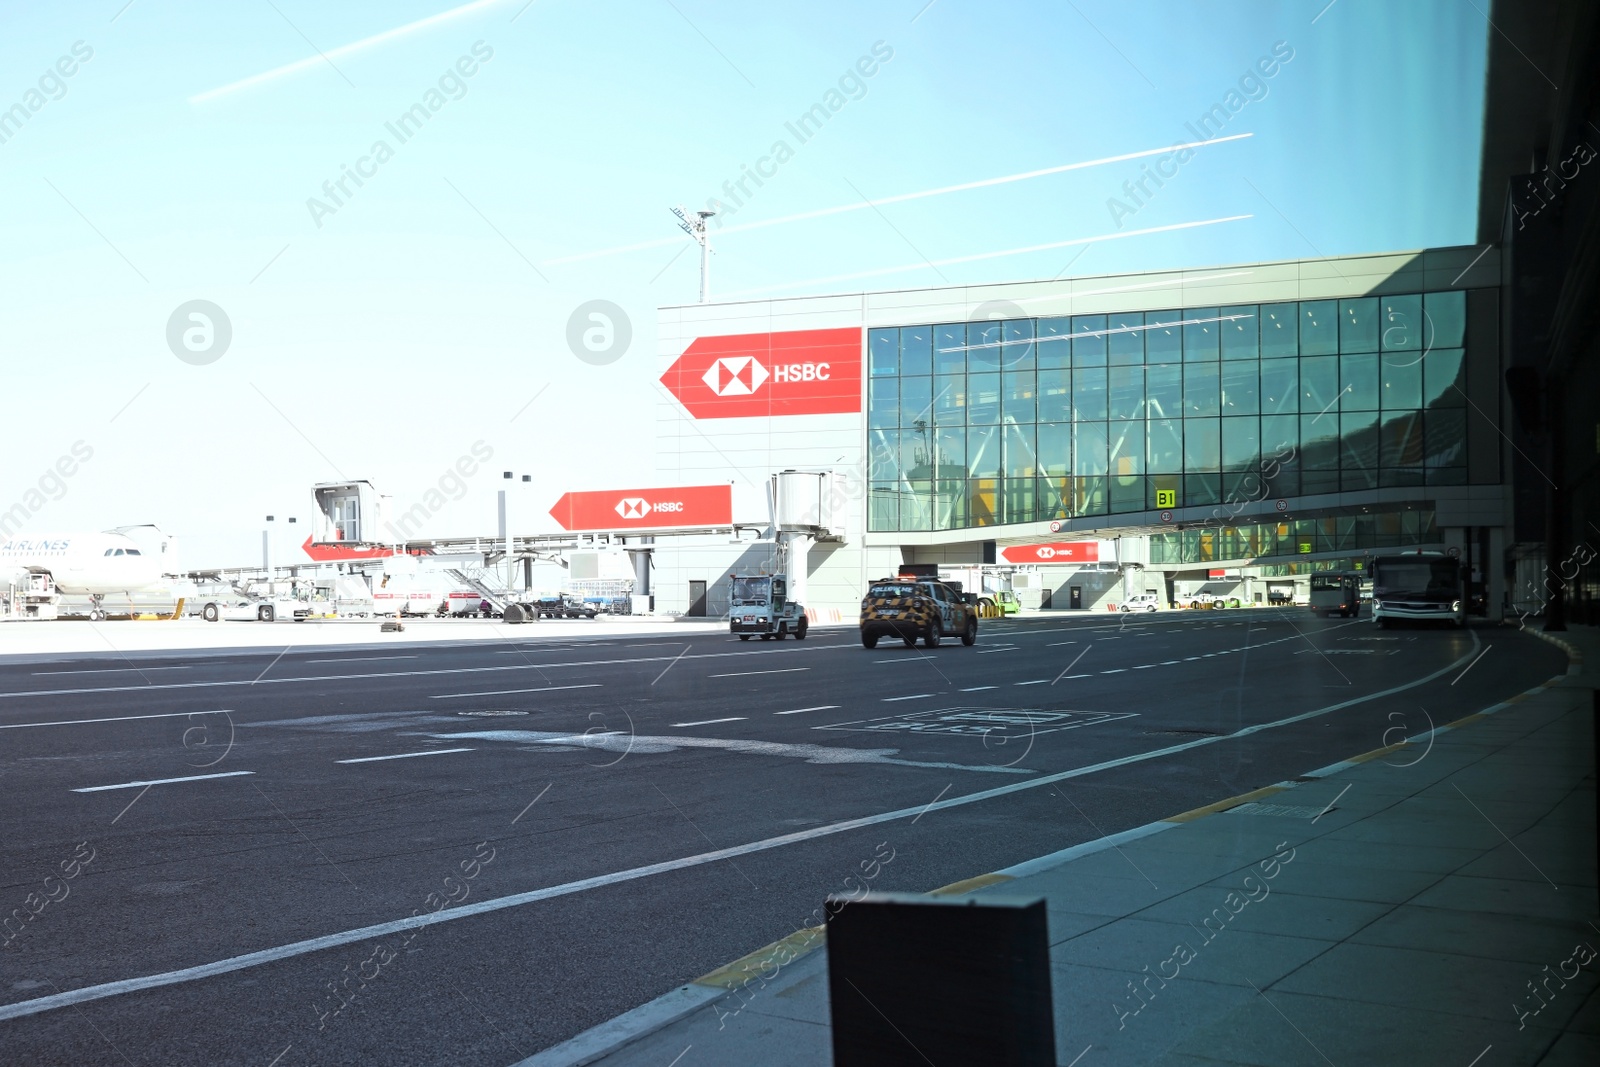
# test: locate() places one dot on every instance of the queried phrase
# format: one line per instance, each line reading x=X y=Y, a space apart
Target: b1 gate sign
x=798 y=372
x=1057 y=552
x=646 y=509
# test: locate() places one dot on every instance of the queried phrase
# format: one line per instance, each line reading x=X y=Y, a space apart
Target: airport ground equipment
x=759 y=606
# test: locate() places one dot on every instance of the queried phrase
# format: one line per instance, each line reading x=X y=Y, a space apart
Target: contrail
x=986 y=255
x=861 y=205
x=342 y=50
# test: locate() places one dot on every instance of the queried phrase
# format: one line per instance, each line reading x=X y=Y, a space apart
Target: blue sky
x=383 y=339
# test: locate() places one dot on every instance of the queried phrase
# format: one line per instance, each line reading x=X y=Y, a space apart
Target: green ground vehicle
x=758 y=605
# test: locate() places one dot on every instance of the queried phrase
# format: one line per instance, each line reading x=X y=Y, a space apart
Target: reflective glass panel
x=1017 y=355
x=1162 y=343
x=1446 y=320
x=1404 y=328
x=983 y=451
x=1202 y=445
x=1358 y=388
x=1319 y=327
x=1401 y=436
x=1126 y=339
x=1446 y=441
x=1089 y=393
x=916 y=350
x=1239 y=388
x=1401 y=381
x=1358 y=432
x=950 y=399
x=1280 y=330
x=1240 y=332
x=1020 y=457
x=1089 y=449
x=1164 y=391
x=1358 y=325
x=1280 y=386
x=1055 y=448
x=1319 y=384
x=983 y=399
x=950 y=348
x=1054 y=353
x=1444 y=379
x=1241 y=443
x=1200 y=335
x=1019 y=398
x=1125 y=390
x=983 y=345
x=1319 y=442
x=1200 y=389
x=916 y=401
x=883 y=402
x=1055 y=395
x=883 y=351
x=1126 y=444
x=1164 y=449
x=1088 y=345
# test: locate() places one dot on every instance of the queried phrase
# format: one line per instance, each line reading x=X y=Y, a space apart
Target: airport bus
x=1336 y=593
x=1417 y=586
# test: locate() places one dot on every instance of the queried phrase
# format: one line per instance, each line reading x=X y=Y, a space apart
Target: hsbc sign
x=799 y=372
x=1055 y=552
x=646 y=509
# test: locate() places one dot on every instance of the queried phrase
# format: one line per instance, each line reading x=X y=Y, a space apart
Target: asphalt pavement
x=471 y=853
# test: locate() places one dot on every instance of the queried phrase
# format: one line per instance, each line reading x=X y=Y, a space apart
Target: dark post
x=914 y=980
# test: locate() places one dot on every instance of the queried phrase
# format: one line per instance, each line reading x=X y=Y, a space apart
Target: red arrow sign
x=800 y=372
x=1055 y=552
x=646 y=509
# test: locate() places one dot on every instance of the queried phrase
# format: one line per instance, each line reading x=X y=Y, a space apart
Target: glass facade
x=981 y=423
x=1359 y=533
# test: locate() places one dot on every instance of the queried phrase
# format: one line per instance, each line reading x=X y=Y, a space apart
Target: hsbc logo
x=744 y=375
x=1047 y=553
x=633 y=507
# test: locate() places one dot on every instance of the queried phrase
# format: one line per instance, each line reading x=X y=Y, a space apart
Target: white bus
x=1418 y=586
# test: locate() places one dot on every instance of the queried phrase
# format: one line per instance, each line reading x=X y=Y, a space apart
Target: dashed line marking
x=160 y=781
x=405 y=755
x=708 y=722
x=505 y=692
x=746 y=674
x=913 y=696
x=979 y=688
x=799 y=711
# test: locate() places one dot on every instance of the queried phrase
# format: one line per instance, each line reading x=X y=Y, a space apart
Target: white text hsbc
x=801 y=372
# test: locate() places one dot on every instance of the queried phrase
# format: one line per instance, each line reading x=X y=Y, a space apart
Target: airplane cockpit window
x=133 y=552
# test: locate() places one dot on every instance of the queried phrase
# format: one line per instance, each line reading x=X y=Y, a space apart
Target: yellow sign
x=1305 y=547
x=1166 y=498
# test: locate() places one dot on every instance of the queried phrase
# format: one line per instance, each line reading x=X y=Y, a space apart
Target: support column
x=795 y=563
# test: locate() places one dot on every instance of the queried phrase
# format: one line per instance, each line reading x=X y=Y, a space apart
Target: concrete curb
x=600 y=1041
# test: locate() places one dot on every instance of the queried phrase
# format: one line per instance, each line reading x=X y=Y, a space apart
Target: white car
x=1141 y=602
x=1201 y=600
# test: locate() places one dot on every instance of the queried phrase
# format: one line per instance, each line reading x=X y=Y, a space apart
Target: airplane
x=89 y=564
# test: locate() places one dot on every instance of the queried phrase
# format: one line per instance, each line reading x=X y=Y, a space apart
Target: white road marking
x=358 y=659
x=85 y=994
x=1072 y=676
x=160 y=781
x=819 y=707
x=1167 y=662
x=1058 y=644
x=746 y=674
x=902 y=659
x=119 y=718
x=979 y=688
x=1145 y=666
x=405 y=755
x=112 y=670
x=504 y=692
x=913 y=696
x=982 y=651
x=323 y=679
x=1036 y=681
x=1114 y=670
x=709 y=722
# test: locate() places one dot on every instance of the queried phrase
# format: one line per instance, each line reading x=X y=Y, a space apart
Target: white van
x=1141 y=602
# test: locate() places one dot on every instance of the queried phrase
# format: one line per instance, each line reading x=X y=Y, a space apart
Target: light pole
x=695 y=227
x=507 y=537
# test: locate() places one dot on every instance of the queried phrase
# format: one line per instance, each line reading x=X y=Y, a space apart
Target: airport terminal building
x=1096 y=437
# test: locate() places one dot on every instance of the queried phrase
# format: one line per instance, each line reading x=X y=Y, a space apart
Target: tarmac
x=1433 y=901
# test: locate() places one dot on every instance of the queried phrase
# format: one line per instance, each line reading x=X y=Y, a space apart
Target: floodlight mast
x=695 y=227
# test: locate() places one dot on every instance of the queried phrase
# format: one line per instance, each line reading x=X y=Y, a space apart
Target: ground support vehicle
x=1141 y=602
x=913 y=608
x=1336 y=593
x=255 y=609
x=1417 y=587
x=758 y=606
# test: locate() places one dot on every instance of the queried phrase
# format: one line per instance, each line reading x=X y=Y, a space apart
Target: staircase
x=497 y=595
